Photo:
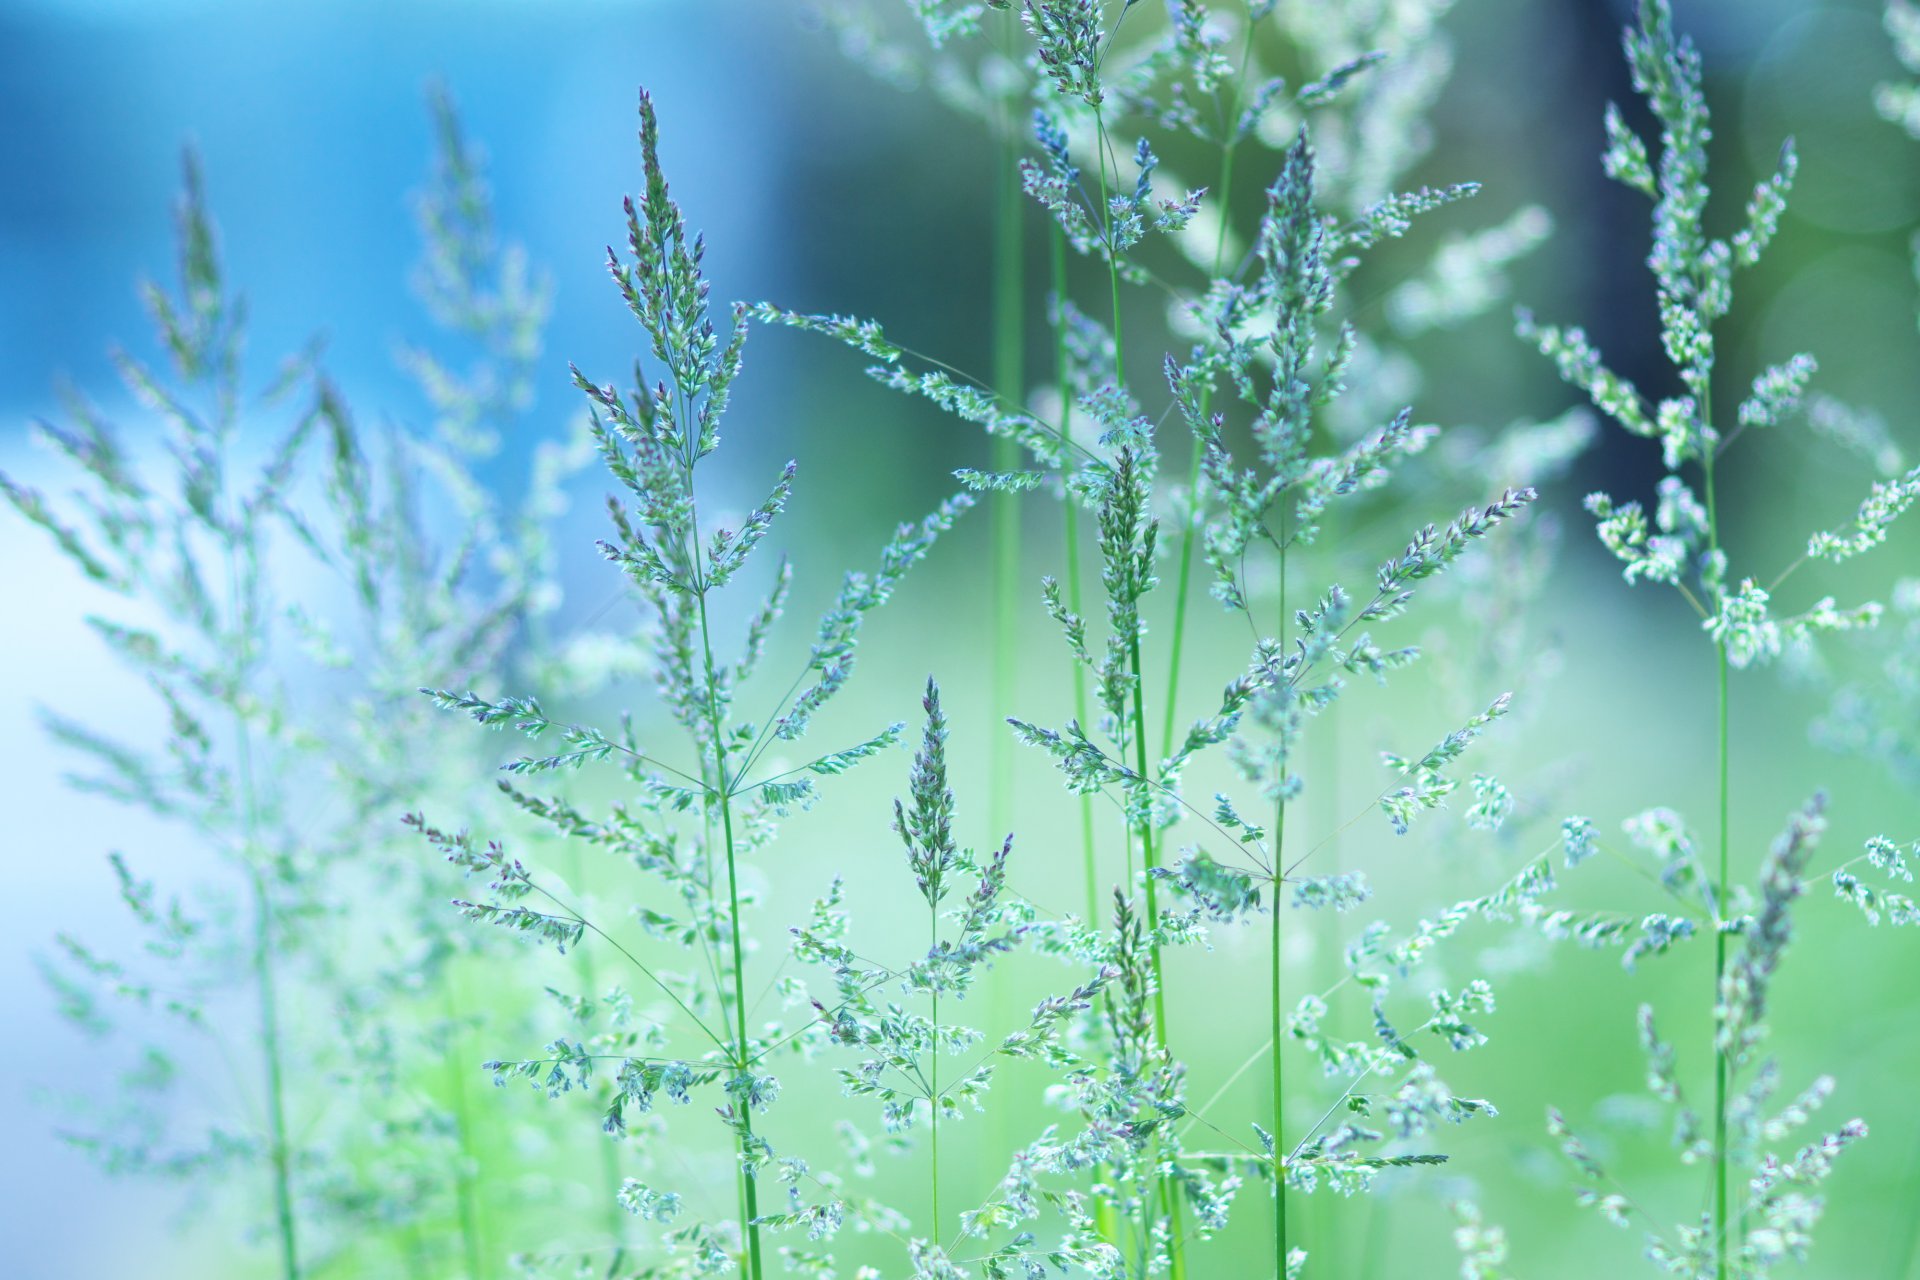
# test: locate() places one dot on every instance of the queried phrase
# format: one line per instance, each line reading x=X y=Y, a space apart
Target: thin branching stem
x=1720 y=1062
x=645 y=971
x=933 y=1068
x=749 y=1227
x=1138 y=729
x=739 y=1052
x=1275 y=1023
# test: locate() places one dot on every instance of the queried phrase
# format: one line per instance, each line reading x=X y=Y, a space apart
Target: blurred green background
x=825 y=190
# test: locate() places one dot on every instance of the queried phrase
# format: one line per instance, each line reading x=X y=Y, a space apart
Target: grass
x=1694 y=275
x=746 y=1065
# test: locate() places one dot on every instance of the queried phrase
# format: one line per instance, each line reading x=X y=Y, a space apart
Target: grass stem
x=1277 y=1024
x=723 y=790
x=1177 y=1260
x=1721 y=1225
x=933 y=1068
x=1070 y=514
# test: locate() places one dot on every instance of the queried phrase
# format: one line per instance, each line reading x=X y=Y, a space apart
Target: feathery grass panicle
x=901 y=1050
x=653 y=441
x=1683 y=545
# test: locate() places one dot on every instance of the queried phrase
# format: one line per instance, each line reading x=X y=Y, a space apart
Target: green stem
x=1168 y=1193
x=1280 y=1246
x=933 y=1068
x=1062 y=374
x=751 y=1229
x=1721 y=1065
x=1182 y=584
x=1147 y=859
x=1326 y=1240
x=1176 y=1256
x=1279 y=1094
x=751 y=1234
x=750 y=1203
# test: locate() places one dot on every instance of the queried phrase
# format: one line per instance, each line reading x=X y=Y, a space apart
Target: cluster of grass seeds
x=1762 y=1197
x=283 y=1038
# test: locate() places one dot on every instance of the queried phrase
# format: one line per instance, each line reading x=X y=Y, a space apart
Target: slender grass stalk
x=1145 y=832
x=750 y=1207
x=1102 y=145
x=1276 y=1017
x=933 y=1070
x=1721 y=751
x=1276 y=1028
x=1327 y=1240
x=1070 y=512
x=723 y=790
x=1177 y=1261
x=1147 y=859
